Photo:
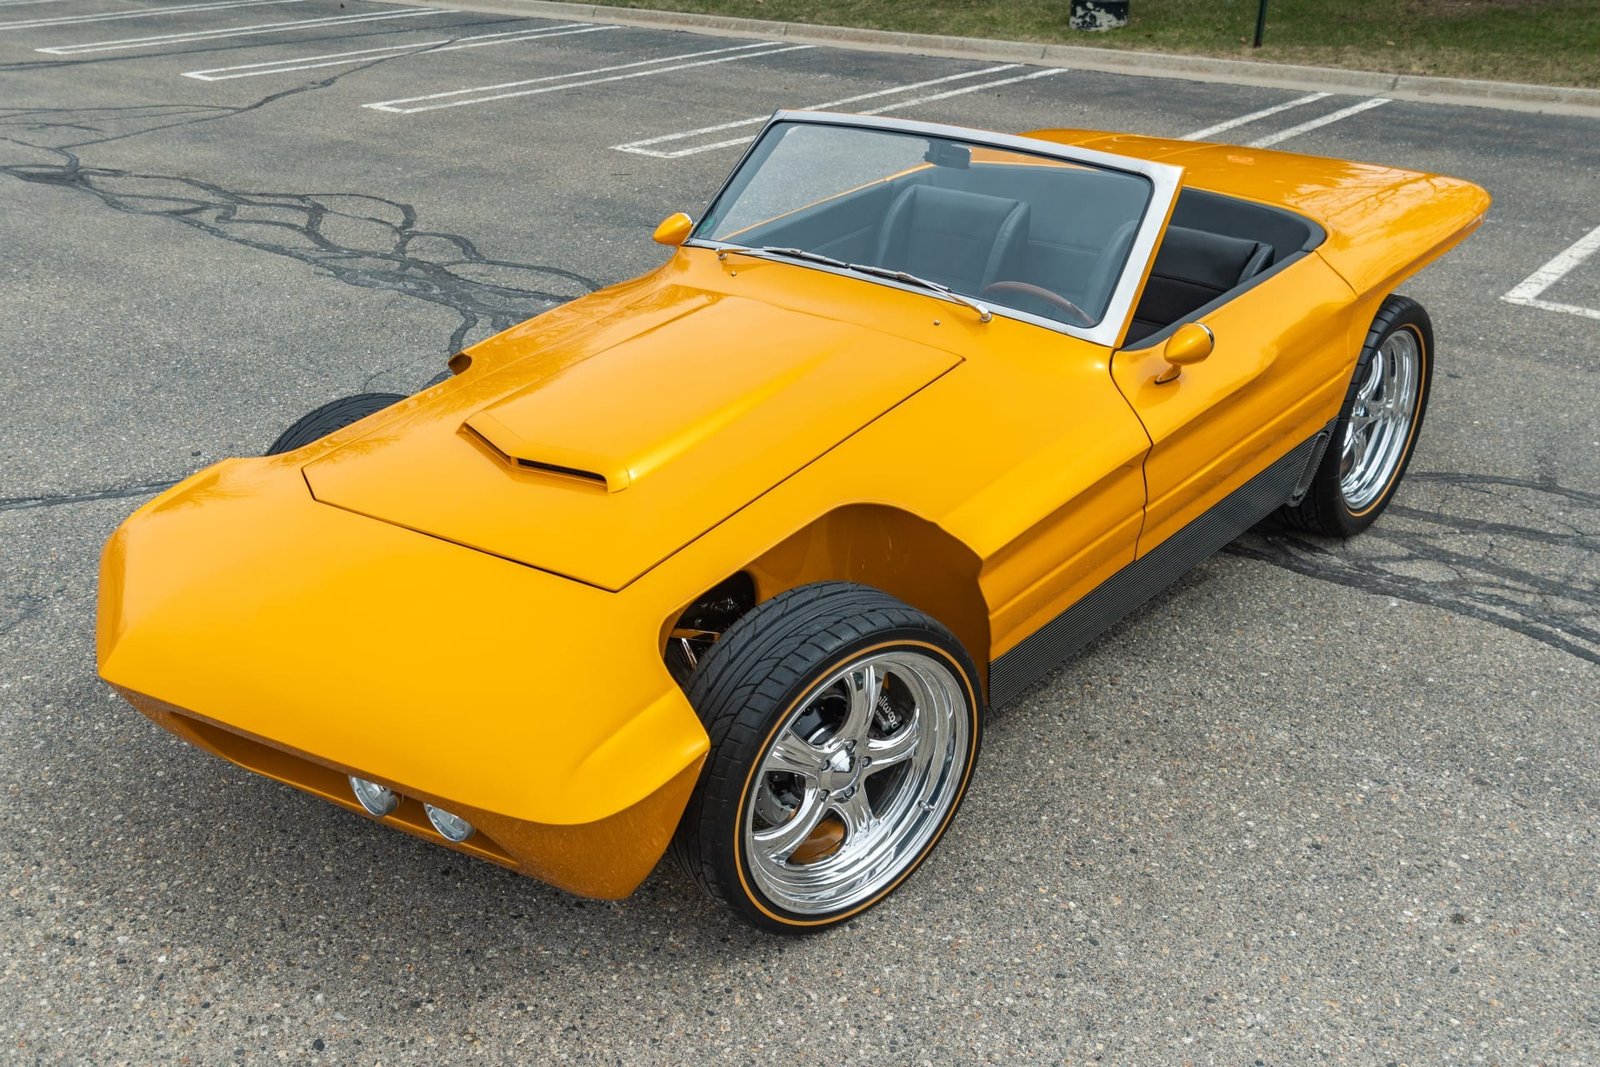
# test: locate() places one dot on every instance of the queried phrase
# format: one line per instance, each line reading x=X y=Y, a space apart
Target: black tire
x=1333 y=506
x=769 y=674
x=334 y=415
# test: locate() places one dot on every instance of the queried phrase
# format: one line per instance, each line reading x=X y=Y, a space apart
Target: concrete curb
x=1510 y=96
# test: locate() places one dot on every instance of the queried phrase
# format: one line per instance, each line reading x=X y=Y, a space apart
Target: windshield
x=1021 y=232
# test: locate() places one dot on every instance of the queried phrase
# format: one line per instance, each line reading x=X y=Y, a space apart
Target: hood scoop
x=598 y=464
x=605 y=472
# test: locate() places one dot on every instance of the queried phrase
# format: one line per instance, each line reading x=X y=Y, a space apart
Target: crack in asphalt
x=1468 y=564
x=26 y=120
x=359 y=239
x=18 y=608
x=381 y=247
x=114 y=492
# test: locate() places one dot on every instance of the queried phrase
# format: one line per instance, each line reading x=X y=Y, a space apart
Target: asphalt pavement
x=1319 y=803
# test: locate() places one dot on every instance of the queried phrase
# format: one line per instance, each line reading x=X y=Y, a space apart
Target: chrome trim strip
x=1165 y=180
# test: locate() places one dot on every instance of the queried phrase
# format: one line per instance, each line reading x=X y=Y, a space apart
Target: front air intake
x=569 y=472
x=608 y=473
x=542 y=466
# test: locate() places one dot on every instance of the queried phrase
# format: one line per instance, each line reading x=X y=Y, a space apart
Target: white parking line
x=142 y=13
x=1527 y=293
x=646 y=147
x=26 y=3
x=1317 y=124
x=578 y=79
x=1266 y=112
x=238 y=31
x=897 y=105
x=643 y=147
x=364 y=55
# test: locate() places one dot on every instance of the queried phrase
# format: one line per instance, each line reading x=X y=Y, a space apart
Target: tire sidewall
x=712 y=833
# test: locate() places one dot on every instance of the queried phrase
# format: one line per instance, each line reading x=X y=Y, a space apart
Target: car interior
x=1213 y=246
x=1049 y=240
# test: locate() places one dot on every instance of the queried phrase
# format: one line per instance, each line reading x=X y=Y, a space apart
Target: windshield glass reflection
x=1014 y=230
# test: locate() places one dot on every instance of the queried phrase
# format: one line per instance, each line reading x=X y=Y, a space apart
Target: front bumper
x=607 y=858
x=307 y=643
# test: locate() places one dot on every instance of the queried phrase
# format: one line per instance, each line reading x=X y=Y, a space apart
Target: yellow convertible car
x=732 y=558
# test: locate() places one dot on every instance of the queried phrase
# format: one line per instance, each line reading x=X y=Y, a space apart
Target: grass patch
x=1550 y=42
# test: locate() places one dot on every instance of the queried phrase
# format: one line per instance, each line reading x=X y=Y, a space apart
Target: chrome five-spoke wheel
x=856 y=782
x=1378 y=431
x=844 y=726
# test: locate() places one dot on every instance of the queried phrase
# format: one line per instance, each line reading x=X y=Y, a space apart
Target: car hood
x=599 y=455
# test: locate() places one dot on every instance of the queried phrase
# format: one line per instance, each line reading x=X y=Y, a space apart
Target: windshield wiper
x=905 y=277
x=984 y=314
x=779 y=252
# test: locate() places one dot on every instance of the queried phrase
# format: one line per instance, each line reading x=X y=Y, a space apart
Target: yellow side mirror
x=1191 y=343
x=674 y=229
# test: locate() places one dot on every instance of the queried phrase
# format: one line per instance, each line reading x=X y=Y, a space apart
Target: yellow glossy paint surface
x=679 y=426
x=1189 y=345
x=415 y=662
x=1285 y=349
x=674 y=229
x=1383 y=223
x=1269 y=383
x=466 y=596
x=606 y=858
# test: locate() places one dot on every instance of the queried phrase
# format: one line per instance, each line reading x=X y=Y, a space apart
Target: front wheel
x=844 y=727
x=1377 y=427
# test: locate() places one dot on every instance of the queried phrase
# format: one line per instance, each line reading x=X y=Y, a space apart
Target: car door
x=1275 y=377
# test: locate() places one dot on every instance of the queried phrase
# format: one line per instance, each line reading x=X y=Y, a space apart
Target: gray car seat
x=959 y=239
x=1193 y=268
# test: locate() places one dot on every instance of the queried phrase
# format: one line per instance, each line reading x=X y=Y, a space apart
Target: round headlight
x=379 y=800
x=453 y=827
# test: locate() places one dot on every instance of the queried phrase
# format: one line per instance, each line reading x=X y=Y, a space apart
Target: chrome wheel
x=1378 y=430
x=857 y=781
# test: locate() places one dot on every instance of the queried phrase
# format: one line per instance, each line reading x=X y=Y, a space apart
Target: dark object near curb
x=1099 y=14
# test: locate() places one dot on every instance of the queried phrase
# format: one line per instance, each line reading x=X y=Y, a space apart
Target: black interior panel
x=1193 y=268
x=1214 y=247
x=1285 y=231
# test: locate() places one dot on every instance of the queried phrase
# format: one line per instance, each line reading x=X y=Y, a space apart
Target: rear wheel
x=334 y=415
x=1377 y=428
x=844 y=727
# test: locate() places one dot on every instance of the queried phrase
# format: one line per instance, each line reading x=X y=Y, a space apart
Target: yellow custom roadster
x=732 y=558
